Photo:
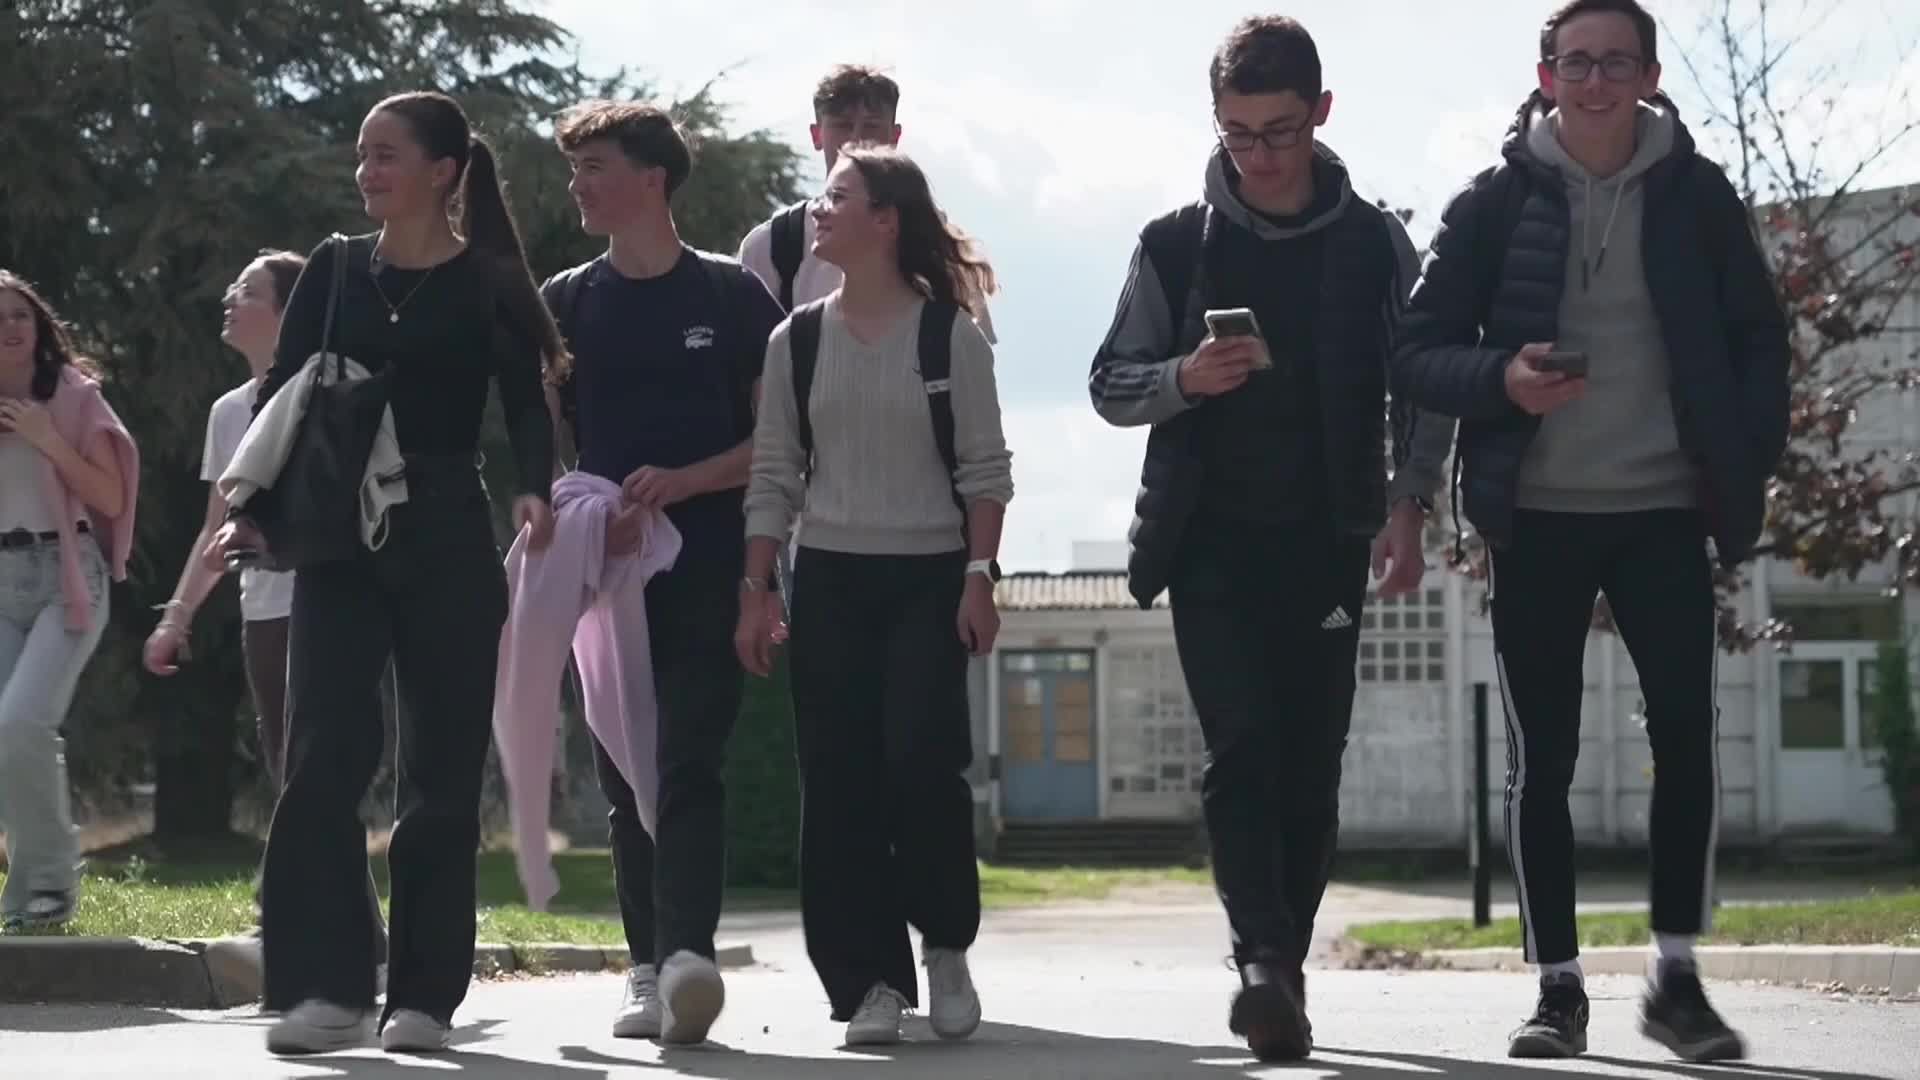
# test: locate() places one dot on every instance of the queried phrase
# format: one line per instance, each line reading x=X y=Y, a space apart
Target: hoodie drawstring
x=1606 y=235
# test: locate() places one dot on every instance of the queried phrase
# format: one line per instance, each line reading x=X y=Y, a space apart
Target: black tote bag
x=311 y=514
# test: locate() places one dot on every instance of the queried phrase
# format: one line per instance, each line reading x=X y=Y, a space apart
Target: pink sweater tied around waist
x=572 y=596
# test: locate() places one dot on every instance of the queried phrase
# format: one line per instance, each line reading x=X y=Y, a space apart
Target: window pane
x=1812 y=705
x=1851 y=619
x=1026 y=734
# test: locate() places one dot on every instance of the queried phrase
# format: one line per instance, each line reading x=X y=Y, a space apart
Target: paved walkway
x=1136 y=988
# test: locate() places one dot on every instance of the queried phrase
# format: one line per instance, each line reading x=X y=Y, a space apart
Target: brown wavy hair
x=936 y=256
x=441 y=128
x=53 y=346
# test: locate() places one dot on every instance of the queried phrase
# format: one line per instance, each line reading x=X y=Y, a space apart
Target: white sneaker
x=692 y=992
x=639 y=1015
x=409 y=1031
x=954 y=1008
x=877 y=1021
x=316 y=1027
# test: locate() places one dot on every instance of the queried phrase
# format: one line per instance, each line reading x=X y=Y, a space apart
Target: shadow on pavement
x=75 y=1020
x=464 y=1063
x=1012 y=1050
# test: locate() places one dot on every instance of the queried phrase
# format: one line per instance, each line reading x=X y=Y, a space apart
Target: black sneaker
x=1558 y=1028
x=1675 y=1014
x=1268 y=1011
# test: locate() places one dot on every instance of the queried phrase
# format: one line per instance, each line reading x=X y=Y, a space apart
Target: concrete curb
x=224 y=973
x=1880 y=969
x=127 y=971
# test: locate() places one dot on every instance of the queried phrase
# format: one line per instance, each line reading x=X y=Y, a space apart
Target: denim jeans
x=40 y=663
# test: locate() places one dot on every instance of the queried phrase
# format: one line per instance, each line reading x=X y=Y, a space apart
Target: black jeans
x=1267 y=627
x=434 y=599
x=263 y=646
x=884 y=739
x=1653 y=568
x=670 y=885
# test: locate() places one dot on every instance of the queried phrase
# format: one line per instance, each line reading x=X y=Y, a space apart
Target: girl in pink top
x=68 y=472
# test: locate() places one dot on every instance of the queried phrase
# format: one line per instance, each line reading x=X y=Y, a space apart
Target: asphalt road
x=1110 y=992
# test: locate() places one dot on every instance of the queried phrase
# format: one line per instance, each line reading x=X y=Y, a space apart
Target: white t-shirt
x=263 y=595
x=816 y=278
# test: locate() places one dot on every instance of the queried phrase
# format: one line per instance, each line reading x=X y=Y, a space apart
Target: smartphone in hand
x=1566 y=362
x=1239 y=322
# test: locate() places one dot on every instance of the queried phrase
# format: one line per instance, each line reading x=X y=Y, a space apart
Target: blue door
x=1048 y=770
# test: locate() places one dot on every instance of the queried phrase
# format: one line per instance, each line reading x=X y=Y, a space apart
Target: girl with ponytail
x=438 y=303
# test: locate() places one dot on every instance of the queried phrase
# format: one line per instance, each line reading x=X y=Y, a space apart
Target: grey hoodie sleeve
x=1135 y=377
x=1421 y=439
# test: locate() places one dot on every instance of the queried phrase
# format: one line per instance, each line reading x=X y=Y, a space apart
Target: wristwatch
x=989 y=568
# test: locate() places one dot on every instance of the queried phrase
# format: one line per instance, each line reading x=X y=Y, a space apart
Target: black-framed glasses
x=1614 y=67
x=1285 y=138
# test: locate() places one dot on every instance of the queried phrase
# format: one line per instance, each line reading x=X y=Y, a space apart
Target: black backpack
x=936 y=369
x=789 y=249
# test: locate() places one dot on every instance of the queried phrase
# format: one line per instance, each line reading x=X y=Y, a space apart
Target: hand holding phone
x=1563 y=361
x=1227 y=324
x=1538 y=389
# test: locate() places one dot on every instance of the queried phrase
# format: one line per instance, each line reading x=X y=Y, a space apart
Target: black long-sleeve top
x=454 y=332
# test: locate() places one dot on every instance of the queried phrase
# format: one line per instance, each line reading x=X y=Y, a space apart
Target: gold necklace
x=393 y=309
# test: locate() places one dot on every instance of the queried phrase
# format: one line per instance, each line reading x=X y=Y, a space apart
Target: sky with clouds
x=1054 y=129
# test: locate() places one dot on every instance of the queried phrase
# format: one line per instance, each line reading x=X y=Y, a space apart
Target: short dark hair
x=646 y=134
x=1267 y=54
x=1643 y=25
x=855 y=86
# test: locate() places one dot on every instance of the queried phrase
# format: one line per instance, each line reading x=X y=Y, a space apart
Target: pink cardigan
x=572 y=594
x=80 y=414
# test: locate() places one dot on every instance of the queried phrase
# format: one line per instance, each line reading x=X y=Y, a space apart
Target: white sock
x=1565 y=967
x=1672 y=952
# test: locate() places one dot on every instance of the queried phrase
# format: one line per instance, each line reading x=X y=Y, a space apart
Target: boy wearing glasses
x=1597 y=313
x=1265 y=480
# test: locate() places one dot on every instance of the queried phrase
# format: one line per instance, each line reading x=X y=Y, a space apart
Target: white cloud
x=1074 y=479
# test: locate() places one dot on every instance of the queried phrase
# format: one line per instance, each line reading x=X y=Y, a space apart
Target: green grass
x=1012 y=886
x=1879 y=918
x=128 y=894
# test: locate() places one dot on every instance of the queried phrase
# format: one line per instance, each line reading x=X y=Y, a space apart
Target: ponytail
x=442 y=129
x=488 y=225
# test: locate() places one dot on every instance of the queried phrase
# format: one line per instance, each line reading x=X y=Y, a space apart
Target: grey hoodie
x=1616 y=448
x=1135 y=378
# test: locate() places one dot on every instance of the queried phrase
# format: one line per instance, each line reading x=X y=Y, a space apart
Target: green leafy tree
x=150 y=147
x=1899 y=739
